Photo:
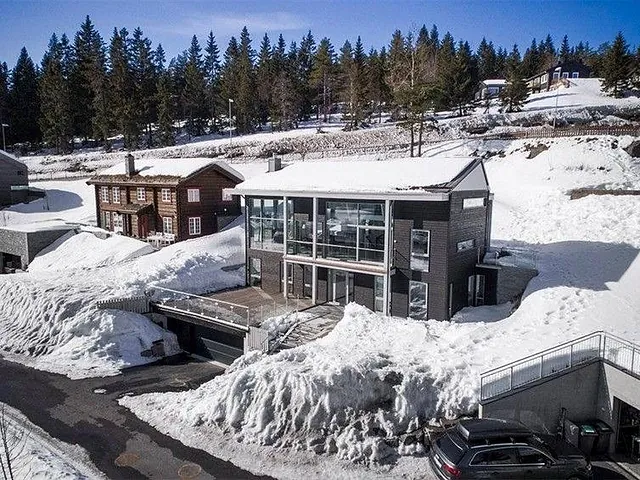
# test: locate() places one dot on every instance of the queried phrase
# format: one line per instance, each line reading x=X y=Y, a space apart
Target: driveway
x=86 y=412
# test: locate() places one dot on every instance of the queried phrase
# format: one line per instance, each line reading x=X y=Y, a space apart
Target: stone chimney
x=130 y=165
x=275 y=163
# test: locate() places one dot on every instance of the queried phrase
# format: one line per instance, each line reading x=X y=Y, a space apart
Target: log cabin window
x=104 y=194
x=420 y=247
x=193 y=195
x=194 y=226
x=167 y=225
x=166 y=195
x=141 y=195
x=116 y=194
x=107 y=221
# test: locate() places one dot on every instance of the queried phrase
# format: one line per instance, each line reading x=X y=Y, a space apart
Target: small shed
x=13 y=173
x=19 y=244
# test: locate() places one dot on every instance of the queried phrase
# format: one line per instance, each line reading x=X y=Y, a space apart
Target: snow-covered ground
x=373 y=378
x=35 y=454
x=48 y=316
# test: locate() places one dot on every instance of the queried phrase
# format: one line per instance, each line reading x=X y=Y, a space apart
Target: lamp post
x=555 y=114
x=230 y=102
x=4 y=144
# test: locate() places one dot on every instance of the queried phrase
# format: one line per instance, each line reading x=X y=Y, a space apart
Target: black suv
x=492 y=448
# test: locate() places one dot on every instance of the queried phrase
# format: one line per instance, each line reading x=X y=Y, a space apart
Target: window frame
x=167 y=221
x=496 y=465
x=472 y=202
x=422 y=256
x=165 y=195
x=462 y=245
x=193 y=195
x=252 y=276
x=107 y=220
x=141 y=194
x=261 y=221
x=196 y=223
x=413 y=304
x=104 y=194
x=115 y=193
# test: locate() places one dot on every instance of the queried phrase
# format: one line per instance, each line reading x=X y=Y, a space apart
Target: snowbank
x=49 y=319
x=97 y=252
x=37 y=455
x=353 y=392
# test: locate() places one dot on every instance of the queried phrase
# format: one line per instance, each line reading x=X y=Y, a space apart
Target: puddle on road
x=127 y=459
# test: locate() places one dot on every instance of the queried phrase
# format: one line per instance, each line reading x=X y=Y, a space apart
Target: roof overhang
x=408 y=195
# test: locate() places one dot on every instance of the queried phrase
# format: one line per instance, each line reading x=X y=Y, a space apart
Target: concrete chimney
x=275 y=163
x=130 y=165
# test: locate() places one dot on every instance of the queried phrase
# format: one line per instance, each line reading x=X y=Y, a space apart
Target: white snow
x=373 y=378
x=169 y=167
x=361 y=177
x=35 y=454
x=48 y=316
x=96 y=252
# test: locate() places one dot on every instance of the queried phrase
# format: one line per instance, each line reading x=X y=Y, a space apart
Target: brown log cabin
x=164 y=201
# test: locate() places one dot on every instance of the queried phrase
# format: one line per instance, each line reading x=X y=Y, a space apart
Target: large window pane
x=371 y=214
x=420 y=245
x=418 y=295
x=266 y=223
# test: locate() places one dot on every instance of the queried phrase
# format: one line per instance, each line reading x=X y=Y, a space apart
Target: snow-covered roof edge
x=10 y=158
x=438 y=192
x=218 y=165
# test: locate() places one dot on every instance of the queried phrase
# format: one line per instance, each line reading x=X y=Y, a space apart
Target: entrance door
x=118 y=222
x=341 y=291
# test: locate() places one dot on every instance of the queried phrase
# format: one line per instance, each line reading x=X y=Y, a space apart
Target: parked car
x=492 y=448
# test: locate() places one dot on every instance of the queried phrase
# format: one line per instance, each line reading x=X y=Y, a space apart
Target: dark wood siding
x=364 y=290
x=211 y=183
x=271 y=281
x=469 y=224
x=432 y=216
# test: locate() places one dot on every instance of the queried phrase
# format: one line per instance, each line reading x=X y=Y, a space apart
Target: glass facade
x=266 y=223
x=300 y=227
x=354 y=232
x=255 y=272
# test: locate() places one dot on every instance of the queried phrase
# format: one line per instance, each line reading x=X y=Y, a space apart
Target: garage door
x=218 y=346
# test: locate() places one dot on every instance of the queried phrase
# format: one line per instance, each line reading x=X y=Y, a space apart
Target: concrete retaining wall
x=512 y=282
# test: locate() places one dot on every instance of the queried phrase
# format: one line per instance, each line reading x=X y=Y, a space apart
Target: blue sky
x=172 y=23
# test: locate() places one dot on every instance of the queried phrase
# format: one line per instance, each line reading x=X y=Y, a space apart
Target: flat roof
x=409 y=177
x=43 y=226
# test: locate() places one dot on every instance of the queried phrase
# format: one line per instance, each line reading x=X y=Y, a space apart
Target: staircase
x=556 y=361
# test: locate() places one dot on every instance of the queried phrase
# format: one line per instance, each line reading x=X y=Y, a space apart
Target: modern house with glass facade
x=402 y=237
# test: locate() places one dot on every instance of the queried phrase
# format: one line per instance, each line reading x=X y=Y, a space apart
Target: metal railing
x=595 y=346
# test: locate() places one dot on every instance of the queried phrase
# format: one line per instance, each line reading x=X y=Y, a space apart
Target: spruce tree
x=322 y=77
x=264 y=81
x=24 y=104
x=144 y=80
x=378 y=92
x=229 y=77
x=245 y=100
x=122 y=87
x=55 y=101
x=565 y=50
x=487 y=61
x=617 y=67
x=159 y=59
x=4 y=93
x=212 y=79
x=304 y=64
x=166 y=108
x=194 y=95
x=515 y=93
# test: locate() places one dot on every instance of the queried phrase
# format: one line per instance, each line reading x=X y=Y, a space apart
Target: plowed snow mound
x=49 y=318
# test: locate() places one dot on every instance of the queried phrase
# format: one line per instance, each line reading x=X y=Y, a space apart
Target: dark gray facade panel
x=322 y=289
x=364 y=293
x=270 y=268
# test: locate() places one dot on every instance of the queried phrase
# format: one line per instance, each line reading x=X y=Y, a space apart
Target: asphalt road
x=118 y=443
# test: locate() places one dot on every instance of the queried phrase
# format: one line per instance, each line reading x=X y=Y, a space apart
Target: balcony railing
x=595 y=346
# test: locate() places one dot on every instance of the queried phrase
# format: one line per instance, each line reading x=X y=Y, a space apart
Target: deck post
x=387 y=256
x=314 y=228
x=314 y=283
x=285 y=234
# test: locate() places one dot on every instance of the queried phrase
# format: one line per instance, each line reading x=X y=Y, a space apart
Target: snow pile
x=49 y=318
x=353 y=392
x=97 y=252
x=36 y=454
x=342 y=394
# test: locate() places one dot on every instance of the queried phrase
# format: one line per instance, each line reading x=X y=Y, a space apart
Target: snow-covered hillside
x=354 y=391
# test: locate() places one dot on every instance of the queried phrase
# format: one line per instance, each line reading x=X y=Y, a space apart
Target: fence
x=139 y=304
x=542 y=132
x=595 y=346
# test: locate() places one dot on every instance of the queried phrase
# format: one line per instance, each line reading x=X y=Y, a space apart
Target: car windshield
x=450 y=445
